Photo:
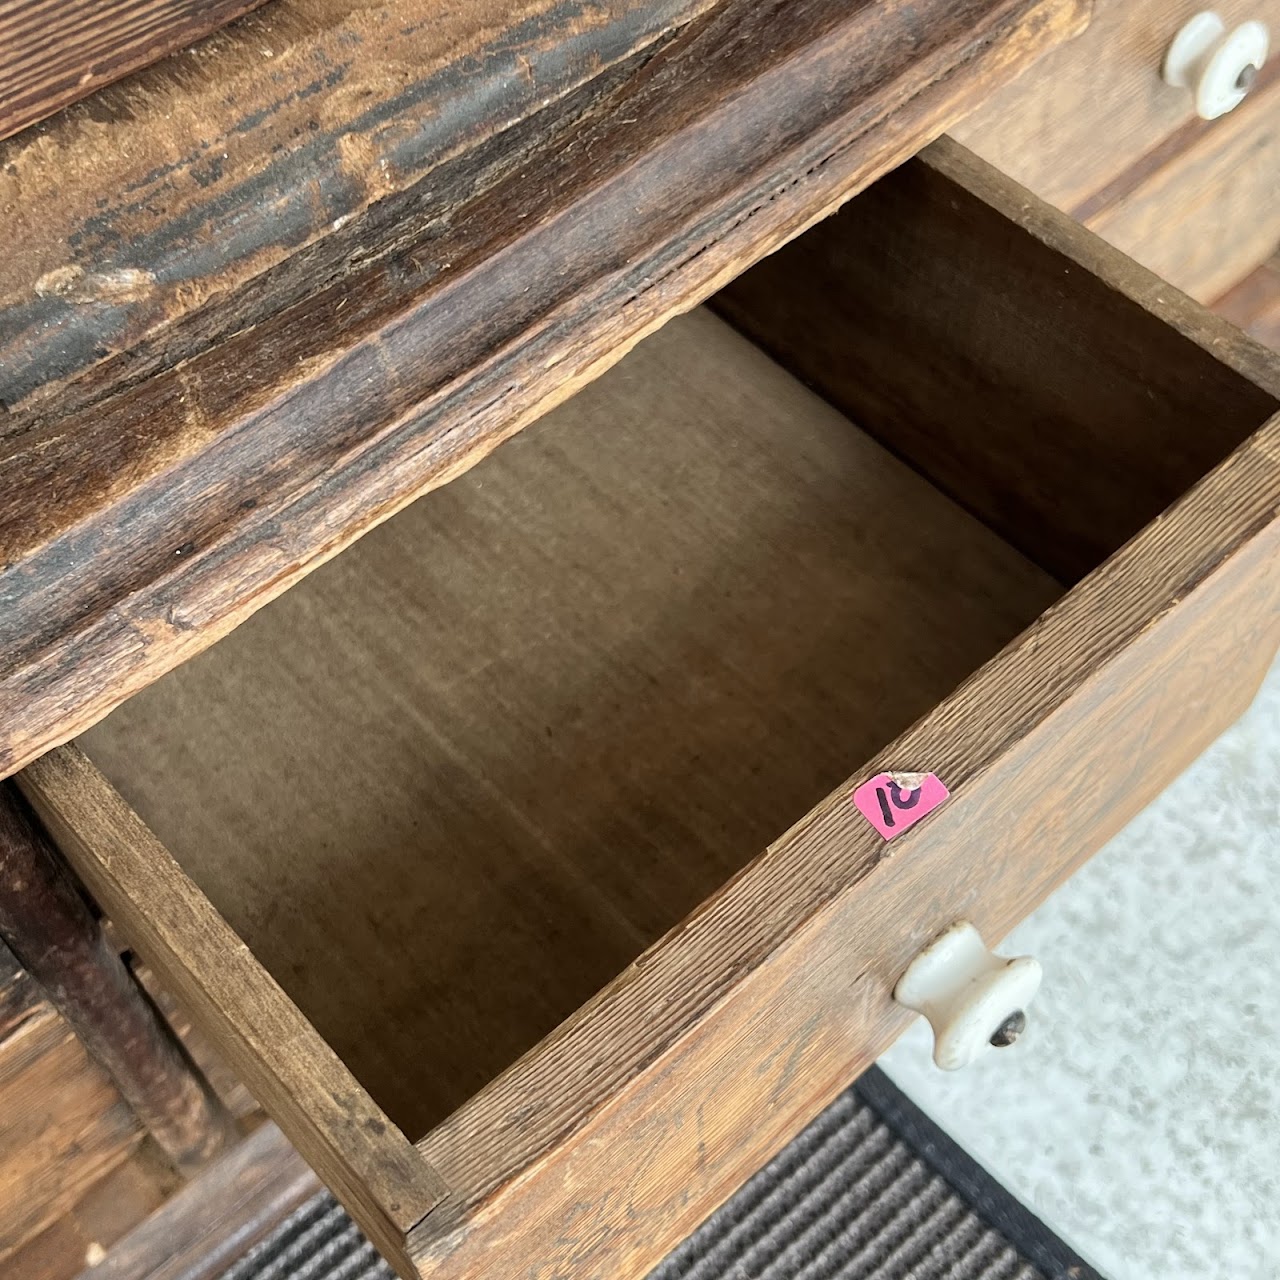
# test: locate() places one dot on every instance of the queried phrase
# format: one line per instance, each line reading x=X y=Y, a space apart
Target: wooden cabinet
x=497 y=854
x=510 y=858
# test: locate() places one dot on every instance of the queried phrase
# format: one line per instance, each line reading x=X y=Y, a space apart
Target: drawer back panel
x=1050 y=395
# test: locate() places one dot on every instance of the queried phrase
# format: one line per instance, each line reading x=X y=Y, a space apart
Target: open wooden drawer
x=461 y=837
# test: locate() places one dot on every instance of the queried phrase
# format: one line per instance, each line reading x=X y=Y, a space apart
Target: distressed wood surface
x=63 y=1128
x=52 y=932
x=1097 y=394
x=132 y=1191
x=77 y=1170
x=136 y=530
x=210 y=1224
x=756 y=565
x=226 y=1085
x=342 y=1134
x=199 y=174
x=54 y=52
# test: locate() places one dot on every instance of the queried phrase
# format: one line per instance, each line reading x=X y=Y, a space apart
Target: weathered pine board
x=108 y=1210
x=63 y=1124
x=213 y=1222
x=183 y=184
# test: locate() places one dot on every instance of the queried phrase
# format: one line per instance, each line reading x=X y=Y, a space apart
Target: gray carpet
x=857 y=1196
x=847 y=1200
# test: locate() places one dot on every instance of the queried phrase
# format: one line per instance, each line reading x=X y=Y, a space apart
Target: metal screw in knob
x=1247 y=78
x=1009 y=1030
x=964 y=991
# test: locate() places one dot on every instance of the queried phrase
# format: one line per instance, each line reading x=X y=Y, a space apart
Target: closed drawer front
x=1094 y=129
x=457 y=844
x=1206 y=214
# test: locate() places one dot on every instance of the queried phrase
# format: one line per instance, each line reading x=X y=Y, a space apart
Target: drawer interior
x=466 y=772
x=454 y=782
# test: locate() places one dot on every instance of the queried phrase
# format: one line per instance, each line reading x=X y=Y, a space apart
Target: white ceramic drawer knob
x=1217 y=65
x=975 y=1001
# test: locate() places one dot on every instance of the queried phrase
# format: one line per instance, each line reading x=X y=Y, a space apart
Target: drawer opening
x=454 y=782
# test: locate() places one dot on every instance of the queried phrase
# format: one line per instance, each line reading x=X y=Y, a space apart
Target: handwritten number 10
x=901 y=799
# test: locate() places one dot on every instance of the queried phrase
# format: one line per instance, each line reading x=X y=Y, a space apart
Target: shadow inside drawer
x=462 y=775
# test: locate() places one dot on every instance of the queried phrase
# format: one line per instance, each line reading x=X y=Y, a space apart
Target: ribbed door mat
x=871 y=1190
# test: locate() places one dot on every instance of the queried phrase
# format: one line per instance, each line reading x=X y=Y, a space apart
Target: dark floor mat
x=871 y=1190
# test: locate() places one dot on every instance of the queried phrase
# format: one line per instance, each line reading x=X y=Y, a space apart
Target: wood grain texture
x=54 y=52
x=1044 y=381
x=136 y=531
x=88 y=1177
x=75 y=1164
x=201 y=173
x=52 y=932
x=687 y=599
x=1254 y=304
x=214 y=1221
x=226 y=1085
x=111 y=1208
x=1095 y=108
x=72 y=1191
x=368 y=1162
x=63 y=1124
x=1206 y=214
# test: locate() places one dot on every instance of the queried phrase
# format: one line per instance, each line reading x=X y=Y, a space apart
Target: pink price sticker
x=892 y=802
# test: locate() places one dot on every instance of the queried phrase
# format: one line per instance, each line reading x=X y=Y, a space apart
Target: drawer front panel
x=1207 y=214
x=1093 y=108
